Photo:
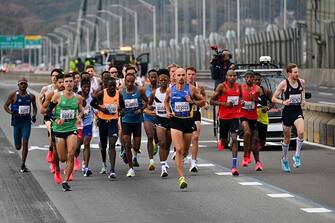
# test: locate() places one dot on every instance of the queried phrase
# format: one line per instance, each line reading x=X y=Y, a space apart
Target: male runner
x=20 y=102
x=294 y=91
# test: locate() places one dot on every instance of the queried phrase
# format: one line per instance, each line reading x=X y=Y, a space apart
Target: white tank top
x=159 y=103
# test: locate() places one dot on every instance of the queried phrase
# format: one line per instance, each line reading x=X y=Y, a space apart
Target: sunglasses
x=23 y=83
x=113 y=72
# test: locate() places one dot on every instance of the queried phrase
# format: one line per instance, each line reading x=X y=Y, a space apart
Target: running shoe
x=131 y=173
x=50 y=156
x=71 y=176
x=245 y=161
x=24 y=169
x=87 y=172
x=258 y=166
x=234 y=171
x=66 y=187
x=103 y=169
x=58 y=177
x=193 y=168
x=166 y=165
x=220 y=146
x=186 y=160
x=164 y=172
x=135 y=163
x=52 y=168
x=173 y=157
x=285 y=165
x=76 y=166
x=83 y=166
x=152 y=165
x=123 y=155
x=249 y=158
x=182 y=182
x=111 y=175
x=296 y=161
x=155 y=149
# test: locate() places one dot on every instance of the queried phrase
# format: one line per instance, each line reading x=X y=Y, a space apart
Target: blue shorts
x=21 y=132
x=87 y=131
x=149 y=118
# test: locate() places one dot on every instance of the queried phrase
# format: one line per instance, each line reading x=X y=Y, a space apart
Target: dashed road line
x=281 y=195
x=223 y=173
x=316 y=210
x=251 y=183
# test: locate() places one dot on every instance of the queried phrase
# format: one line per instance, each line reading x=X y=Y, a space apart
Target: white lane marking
x=279 y=195
x=250 y=183
x=31 y=148
x=323 y=87
x=39 y=126
x=206 y=119
x=224 y=173
x=205 y=122
x=326 y=102
x=316 y=210
x=205 y=165
x=11 y=152
x=326 y=94
x=319 y=145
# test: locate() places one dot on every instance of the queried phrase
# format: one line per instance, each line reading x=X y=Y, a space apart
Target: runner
x=248 y=113
x=131 y=122
x=41 y=97
x=54 y=165
x=179 y=101
x=227 y=96
x=77 y=80
x=68 y=111
x=108 y=101
x=95 y=82
x=149 y=120
x=85 y=133
x=263 y=106
x=191 y=77
x=20 y=102
x=294 y=90
x=157 y=99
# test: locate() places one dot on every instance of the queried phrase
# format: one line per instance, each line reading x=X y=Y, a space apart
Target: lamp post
x=131 y=12
x=107 y=27
x=58 y=55
x=98 y=36
x=60 y=31
x=153 y=8
x=47 y=51
x=120 y=24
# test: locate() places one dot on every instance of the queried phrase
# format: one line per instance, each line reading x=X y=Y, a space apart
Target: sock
x=285 y=150
x=135 y=155
x=163 y=163
x=234 y=162
x=300 y=142
x=193 y=162
x=104 y=164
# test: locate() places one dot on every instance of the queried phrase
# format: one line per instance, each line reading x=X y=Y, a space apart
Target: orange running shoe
x=258 y=166
x=249 y=158
x=71 y=176
x=52 y=168
x=58 y=177
x=50 y=156
x=220 y=146
x=234 y=171
x=245 y=161
x=76 y=166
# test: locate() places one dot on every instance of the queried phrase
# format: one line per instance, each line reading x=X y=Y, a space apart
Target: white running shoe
x=193 y=168
x=131 y=173
x=103 y=169
x=164 y=172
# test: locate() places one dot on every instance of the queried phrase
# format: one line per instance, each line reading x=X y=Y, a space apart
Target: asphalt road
x=212 y=196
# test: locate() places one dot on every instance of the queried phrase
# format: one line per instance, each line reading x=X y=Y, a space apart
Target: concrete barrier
x=318 y=77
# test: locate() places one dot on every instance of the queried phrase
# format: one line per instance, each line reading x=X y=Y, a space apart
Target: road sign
x=11 y=42
x=32 y=41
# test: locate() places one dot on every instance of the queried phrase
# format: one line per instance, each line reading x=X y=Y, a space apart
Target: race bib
x=67 y=114
x=249 y=105
x=24 y=110
x=160 y=108
x=87 y=110
x=233 y=100
x=182 y=106
x=295 y=99
x=112 y=108
x=131 y=103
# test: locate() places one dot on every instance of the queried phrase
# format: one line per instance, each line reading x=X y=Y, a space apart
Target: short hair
x=82 y=73
x=152 y=70
x=249 y=72
x=257 y=74
x=192 y=69
x=172 y=65
x=130 y=68
x=60 y=76
x=111 y=66
x=290 y=66
x=68 y=75
x=59 y=71
x=103 y=73
x=89 y=66
x=163 y=72
x=85 y=81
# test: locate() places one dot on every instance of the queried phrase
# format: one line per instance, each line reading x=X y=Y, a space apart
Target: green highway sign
x=20 y=42
x=32 y=41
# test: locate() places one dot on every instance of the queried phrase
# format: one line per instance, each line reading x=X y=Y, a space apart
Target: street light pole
x=285 y=12
x=93 y=25
x=67 y=57
x=204 y=19
x=153 y=8
x=61 y=47
x=238 y=30
x=176 y=33
x=120 y=24
x=107 y=27
x=134 y=13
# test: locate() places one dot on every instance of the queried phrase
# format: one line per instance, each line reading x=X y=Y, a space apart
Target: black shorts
x=162 y=122
x=186 y=125
x=64 y=135
x=132 y=128
x=197 y=116
x=289 y=117
x=108 y=128
x=252 y=123
x=230 y=125
x=262 y=130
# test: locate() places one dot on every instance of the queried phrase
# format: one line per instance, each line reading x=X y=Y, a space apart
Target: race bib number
x=87 y=110
x=233 y=100
x=24 y=110
x=182 y=106
x=131 y=103
x=249 y=105
x=67 y=114
x=295 y=99
x=112 y=108
x=160 y=108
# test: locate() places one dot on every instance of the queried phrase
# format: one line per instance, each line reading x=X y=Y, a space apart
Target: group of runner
x=168 y=104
